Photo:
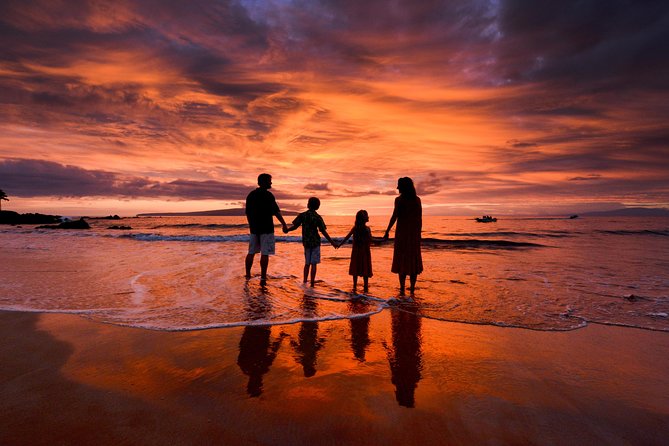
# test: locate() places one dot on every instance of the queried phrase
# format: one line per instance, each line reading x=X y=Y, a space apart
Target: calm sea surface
x=186 y=273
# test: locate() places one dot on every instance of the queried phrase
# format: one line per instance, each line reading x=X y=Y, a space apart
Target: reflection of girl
x=361 y=255
x=408 y=212
x=359 y=329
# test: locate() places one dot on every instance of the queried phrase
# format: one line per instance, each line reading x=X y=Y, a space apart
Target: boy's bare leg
x=249 y=264
x=313 y=274
x=306 y=272
x=264 y=261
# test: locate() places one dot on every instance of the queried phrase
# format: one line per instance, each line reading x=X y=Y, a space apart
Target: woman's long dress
x=407 y=257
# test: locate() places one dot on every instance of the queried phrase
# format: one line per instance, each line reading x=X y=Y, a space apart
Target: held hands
x=385 y=236
x=284 y=228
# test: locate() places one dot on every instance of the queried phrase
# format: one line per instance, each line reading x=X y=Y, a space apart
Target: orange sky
x=490 y=106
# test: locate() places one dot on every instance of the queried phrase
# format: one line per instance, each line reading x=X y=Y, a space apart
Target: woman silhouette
x=408 y=214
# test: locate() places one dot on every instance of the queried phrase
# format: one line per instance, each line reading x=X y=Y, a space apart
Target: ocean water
x=187 y=273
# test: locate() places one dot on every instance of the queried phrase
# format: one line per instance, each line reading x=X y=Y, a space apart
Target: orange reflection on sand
x=401 y=372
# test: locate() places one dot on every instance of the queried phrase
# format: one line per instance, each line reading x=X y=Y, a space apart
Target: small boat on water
x=486 y=219
x=571 y=217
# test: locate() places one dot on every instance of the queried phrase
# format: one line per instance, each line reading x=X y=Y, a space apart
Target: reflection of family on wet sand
x=261 y=208
x=258 y=349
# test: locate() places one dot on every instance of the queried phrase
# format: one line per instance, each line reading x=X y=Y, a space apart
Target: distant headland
x=629 y=212
x=234 y=212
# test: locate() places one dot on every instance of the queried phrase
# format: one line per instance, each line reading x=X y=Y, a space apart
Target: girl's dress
x=407 y=257
x=361 y=254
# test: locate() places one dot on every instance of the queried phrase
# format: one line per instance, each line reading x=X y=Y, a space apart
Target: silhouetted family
x=261 y=207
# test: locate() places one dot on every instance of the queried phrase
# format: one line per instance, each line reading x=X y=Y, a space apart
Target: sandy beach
x=383 y=380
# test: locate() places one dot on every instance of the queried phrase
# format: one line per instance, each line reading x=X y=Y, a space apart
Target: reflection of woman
x=406 y=358
x=408 y=214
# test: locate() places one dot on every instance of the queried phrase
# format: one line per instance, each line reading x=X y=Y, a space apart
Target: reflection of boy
x=311 y=224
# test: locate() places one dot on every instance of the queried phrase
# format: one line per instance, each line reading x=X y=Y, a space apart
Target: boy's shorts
x=312 y=256
x=261 y=243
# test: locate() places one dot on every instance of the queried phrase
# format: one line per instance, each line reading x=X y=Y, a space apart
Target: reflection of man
x=261 y=207
x=256 y=355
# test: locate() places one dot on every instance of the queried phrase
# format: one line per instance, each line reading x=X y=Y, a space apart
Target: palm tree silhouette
x=3 y=196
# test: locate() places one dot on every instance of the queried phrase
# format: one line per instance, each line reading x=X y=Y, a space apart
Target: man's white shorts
x=312 y=256
x=261 y=243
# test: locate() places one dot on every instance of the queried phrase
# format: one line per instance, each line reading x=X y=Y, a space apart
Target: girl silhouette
x=361 y=255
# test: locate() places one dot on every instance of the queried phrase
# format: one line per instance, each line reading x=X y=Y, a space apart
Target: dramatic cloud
x=511 y=102
x=35 y=178
x=586 y=45
x=317 y=187
x=592 y=177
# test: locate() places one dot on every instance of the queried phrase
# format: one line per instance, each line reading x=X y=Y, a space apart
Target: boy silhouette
x=311 y=224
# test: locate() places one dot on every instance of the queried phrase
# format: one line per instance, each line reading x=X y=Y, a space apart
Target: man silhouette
x=261 y=207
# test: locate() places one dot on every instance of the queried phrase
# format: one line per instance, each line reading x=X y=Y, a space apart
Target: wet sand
x=390 y=379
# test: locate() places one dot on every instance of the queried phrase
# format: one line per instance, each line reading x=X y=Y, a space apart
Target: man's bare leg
x=264 y=261
x=249 y=264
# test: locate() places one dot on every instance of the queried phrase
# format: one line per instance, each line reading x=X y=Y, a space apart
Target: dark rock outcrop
x=108 y=217
x=14 y=218
x=75 y=224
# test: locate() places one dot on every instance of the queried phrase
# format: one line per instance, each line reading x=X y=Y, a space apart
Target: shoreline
x=82 y=314
x=388 y=379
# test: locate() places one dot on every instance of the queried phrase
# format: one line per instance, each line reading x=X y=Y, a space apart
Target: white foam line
x=246 y=323
x=620 y=324
x=583 y=324
x=276 y=321
x=139 y=290
x=21 y=309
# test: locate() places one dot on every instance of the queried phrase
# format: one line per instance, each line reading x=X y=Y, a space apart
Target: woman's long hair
x=406 y=187
x=360 y=232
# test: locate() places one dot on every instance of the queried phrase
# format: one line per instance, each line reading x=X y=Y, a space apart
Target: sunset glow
x=491 y=106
